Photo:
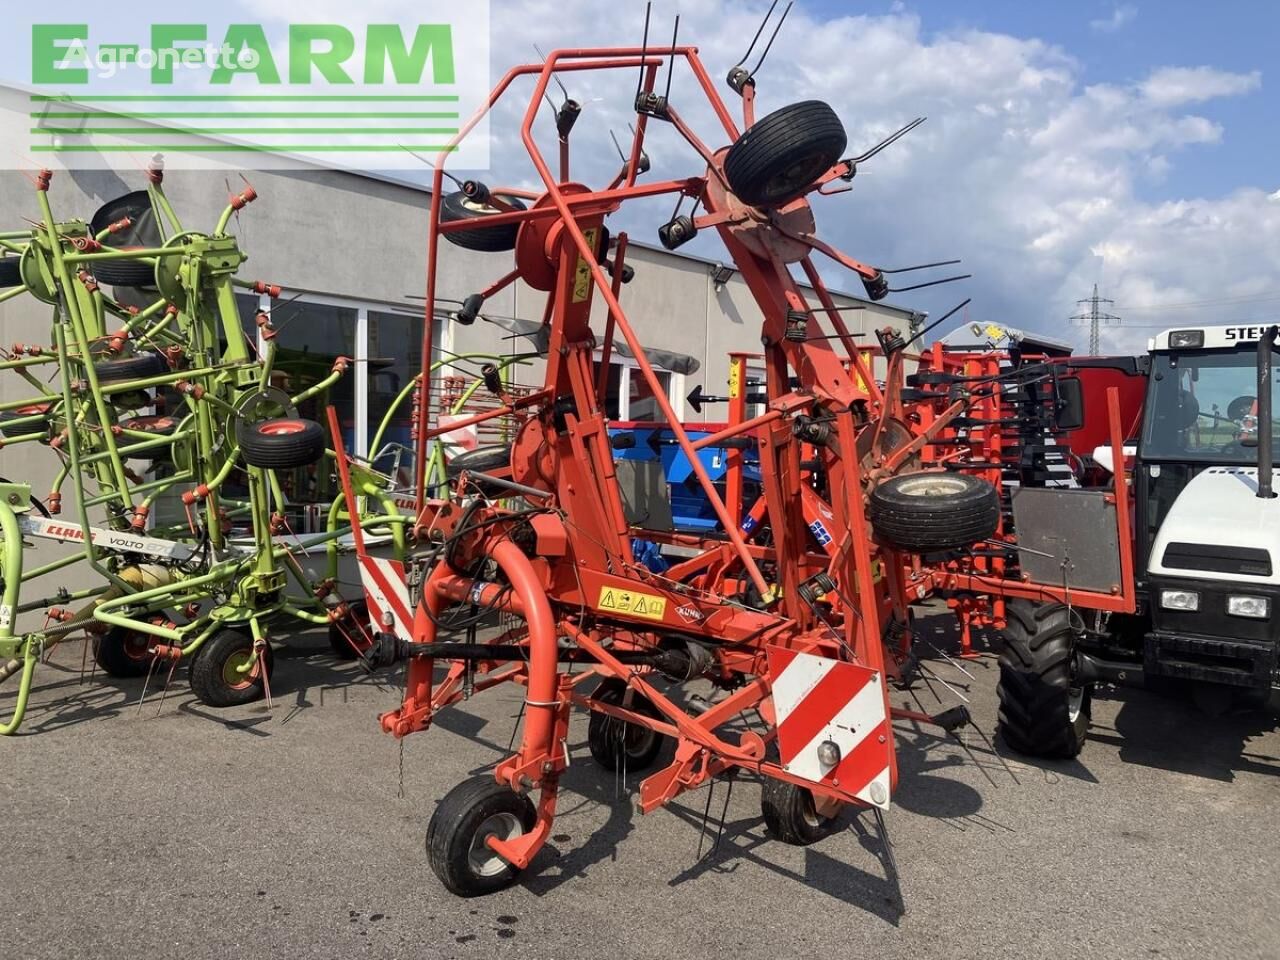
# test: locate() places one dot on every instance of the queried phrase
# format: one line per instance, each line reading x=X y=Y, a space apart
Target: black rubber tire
x=358 y=610
x=281 y=443
x=139 y=366
x=209 y=680
x=789 y=812
x=1036 y=693
x=45 y=410
x=614 y=742
x=780 y=156
x=455 y=206
x=455 y=825
x=122 y=653
x=10 y=276
x=493 y=458
x=930 y=512
x=125 y=273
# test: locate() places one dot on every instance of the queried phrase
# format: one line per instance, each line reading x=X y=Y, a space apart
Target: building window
x=627 y=395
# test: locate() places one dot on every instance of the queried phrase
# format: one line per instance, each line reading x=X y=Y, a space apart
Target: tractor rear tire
x=789 y=811
x=214 y=678
x=932 y=512
x=282 y=443
x=781 y=155
x=615 y=744
x=470 y=813
x=1043 y=712
x=495 y=239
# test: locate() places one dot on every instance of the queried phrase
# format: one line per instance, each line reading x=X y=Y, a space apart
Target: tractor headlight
x=1180 y=600
x=1258 y=608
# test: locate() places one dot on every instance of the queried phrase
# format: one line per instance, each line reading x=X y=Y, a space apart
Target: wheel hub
x=483 y=859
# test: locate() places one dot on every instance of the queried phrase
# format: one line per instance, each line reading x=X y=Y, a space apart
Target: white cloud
x=1023 y=170
x=1174 y=86
x=1121 y=16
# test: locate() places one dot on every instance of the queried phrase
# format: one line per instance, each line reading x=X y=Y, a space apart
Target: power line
x=1096 y=317
x=1188 y=304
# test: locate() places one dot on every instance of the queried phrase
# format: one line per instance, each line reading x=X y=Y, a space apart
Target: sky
x=1126 y=144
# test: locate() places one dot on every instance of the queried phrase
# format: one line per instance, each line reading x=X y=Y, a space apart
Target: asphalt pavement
x=171 y=830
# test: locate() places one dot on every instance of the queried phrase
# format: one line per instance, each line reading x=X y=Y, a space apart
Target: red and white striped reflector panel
x=816 y=700
x=386 y=591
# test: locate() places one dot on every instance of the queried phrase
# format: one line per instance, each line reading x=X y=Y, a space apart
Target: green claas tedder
x=155 y=396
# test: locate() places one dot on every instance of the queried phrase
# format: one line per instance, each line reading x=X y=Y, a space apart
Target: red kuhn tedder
x=800 y=635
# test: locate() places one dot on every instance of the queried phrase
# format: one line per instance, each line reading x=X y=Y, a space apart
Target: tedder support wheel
x=790 y=814
x=930 y=512
x=347 y=631
x=125 y=273
x=137 y=367
x=282 y=443
x=121 y=652
x=469 y=814
x=1043 y=711
x=495 y=239
x=618 y=745
x=780 y=156
x=216 y=679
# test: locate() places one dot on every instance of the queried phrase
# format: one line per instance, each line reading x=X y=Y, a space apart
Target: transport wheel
x=125 y=273
x=347 y=631
x=281 y=443
x=1043 y=711
x=215 y=678
x=457 y=206
x=160 y=426
x=790 y=814
x=614 y=743
x=121 y=652
x=928 y=512
x=44 y=410
x=779 y=157
x=143 y=233
x=10 y=276
x=469 y=814
x=493 y=458
x=137 y=367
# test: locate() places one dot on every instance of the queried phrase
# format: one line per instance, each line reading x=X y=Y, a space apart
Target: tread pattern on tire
x=206 y=670
x=139 y=366
x=784 y=807
x=1035 y=682
x=456 y=818
x=125 y=273
x=281 y=451
x=807 y=135
x=930 y=524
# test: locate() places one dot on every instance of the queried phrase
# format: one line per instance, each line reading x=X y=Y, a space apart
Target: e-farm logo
x=290 y=89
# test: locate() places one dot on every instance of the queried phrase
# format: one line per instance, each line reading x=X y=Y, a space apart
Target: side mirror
x=1069 y=404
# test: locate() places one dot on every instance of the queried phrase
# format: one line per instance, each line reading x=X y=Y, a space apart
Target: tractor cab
x=1208 y=525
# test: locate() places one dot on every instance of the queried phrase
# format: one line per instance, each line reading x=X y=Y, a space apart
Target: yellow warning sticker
x=582 y=275
x=647 y=605
x=735 y=380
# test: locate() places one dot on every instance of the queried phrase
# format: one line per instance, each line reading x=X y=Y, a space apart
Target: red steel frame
x=576 y=539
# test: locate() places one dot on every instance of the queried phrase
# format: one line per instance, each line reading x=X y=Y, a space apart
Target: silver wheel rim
x=931 y=485
x=1075 y=703
x=483 y=859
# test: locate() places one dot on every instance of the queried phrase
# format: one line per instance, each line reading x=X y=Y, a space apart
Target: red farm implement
x=799 y=634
